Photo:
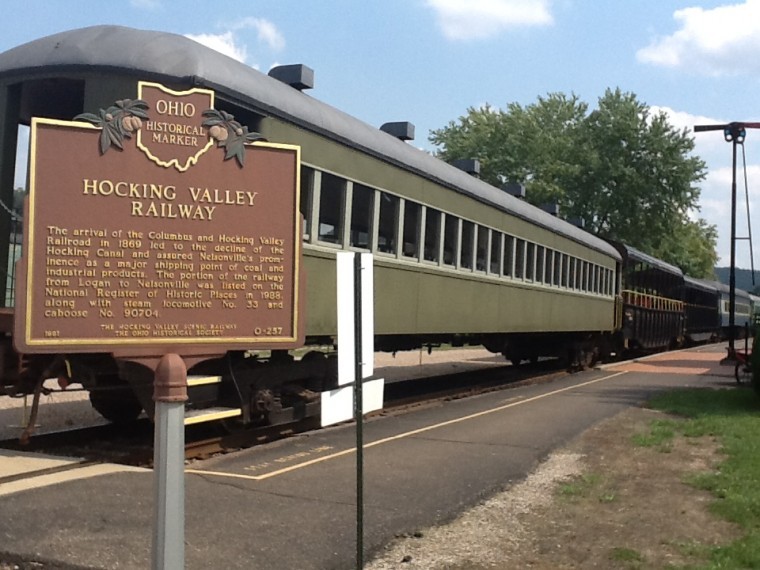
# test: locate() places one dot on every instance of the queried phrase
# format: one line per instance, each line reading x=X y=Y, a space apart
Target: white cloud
x=230 y=44
x=716 y=209
x=224 y=43
x=477 y=19
x=266 y=32
x=682 y=119
x=718 y=41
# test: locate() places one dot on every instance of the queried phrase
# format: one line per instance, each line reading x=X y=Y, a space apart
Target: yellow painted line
x=212 y=417
x=65 y=476
x=399 y=436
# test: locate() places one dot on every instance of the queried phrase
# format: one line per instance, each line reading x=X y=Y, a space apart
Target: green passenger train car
x=455 y=259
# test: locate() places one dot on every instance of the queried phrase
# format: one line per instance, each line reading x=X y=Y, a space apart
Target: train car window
x=637 y=280
x=584 y=275
x=432 y=234
x=530 y=261
x=361 y=216
x=450 y=238
x=609 y=282
x=331 y=196
x=575 y=273
x=509 y=256
x=481 y=250
x=306 y=199
x=495 y=257
x=467 y=244
x=540 y=255
x=557 y=269
x=388 y=224
x=570 y=272
x=565 y=270
x=585 y=283
x=412 y=212
x=519 y=258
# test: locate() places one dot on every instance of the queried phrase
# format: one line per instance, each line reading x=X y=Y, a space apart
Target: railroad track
x=132 y=444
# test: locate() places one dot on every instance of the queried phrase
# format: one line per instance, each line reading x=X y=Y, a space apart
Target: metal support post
x=359 y=412
x=170 y=395
x=732 y=272
x=734 y=133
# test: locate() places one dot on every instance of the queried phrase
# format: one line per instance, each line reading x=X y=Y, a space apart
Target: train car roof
x=631 y=252
x=700 y=284
x=723 y=288
x=167 y=57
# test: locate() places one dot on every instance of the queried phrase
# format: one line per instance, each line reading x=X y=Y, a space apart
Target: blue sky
x=428 y=61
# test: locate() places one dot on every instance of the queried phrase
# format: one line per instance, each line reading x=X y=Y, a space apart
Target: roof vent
x=469 y=165
x=515 y=189
x=402 y=130
x=298 y=76
x=577 y=221
x=552 y=209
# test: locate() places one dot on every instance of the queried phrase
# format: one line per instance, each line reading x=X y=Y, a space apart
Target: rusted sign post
x=164 y=232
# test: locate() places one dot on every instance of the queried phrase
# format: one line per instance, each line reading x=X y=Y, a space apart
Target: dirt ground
x=602 y=502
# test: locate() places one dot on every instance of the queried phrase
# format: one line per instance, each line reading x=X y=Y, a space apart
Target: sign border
x=142 y=342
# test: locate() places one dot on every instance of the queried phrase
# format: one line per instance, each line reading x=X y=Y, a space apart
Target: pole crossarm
x=735 y=133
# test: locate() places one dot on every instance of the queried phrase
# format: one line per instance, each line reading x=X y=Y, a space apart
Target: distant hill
x=743 y=278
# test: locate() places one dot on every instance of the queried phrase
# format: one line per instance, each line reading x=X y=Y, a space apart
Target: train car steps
x=202 y=380
x=210 y=414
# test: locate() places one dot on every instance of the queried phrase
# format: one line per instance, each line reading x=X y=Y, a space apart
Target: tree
x=691 y=246
x=535 y=145
x=626 y=171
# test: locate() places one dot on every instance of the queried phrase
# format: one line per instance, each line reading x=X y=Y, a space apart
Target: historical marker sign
x=159 y=222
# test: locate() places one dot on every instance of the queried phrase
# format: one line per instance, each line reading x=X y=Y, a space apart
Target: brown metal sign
x=159 y=224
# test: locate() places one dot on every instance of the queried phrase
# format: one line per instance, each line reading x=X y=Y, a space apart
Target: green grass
x=632 y=557
x=733 y=418
x=659 y=437
x=588 y=485
x=580 y=486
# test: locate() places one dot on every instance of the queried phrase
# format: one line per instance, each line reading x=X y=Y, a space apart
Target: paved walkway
x=292 y=504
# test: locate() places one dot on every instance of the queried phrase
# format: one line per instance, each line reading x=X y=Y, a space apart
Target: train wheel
x=115 y=403
x=743 y=372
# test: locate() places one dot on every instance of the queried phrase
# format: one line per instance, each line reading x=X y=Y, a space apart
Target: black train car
x=653 y=308
x=701 y=300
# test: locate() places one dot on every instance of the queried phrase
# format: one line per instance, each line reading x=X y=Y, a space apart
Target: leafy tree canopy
x=625 y=170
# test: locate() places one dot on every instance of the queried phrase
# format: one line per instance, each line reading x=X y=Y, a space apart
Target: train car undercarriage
x=267 y=388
